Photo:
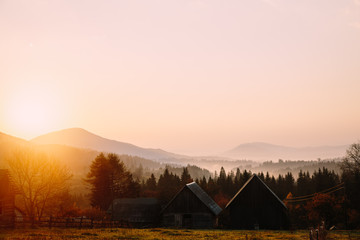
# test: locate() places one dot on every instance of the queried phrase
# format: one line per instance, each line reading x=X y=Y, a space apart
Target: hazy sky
x=188 y=76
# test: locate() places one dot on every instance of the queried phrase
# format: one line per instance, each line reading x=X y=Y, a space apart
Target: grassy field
x=161 y=233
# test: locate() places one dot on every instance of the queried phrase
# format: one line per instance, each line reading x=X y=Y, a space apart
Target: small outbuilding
x=7 y=200
x=191 y=207
x=137 y=212
x=256 y=206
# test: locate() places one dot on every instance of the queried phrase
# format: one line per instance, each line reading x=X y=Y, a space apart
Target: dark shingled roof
x=253 y=177
x=202 y=196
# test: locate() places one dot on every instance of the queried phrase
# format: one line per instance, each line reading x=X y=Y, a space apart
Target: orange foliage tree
x=40 y=181
x=323 y=207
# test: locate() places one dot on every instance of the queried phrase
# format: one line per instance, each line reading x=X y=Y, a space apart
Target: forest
x=44 y=188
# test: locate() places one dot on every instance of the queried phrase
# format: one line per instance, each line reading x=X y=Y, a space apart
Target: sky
x=188 y=76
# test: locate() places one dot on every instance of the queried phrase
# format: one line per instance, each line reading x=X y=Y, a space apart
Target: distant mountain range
x=259 y=151
x=77 y=148
x=80 y=138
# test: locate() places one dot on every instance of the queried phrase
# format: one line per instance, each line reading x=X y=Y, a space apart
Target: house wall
x=256 y=207
x=137 y=215
x=7 y=202
x=187 y=211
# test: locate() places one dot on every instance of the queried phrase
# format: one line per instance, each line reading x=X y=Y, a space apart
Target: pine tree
x=304 y=184
x=185 y=176
x=98 y=178
x=151 y=183
x=221 y=181
x=168 y=185
x=289 y=183
x=237 y=179
x=109 y=179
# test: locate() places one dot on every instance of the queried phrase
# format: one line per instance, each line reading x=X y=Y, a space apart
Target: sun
x=30 y=113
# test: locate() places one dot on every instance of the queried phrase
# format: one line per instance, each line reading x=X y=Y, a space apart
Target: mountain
x=76 y=159
x=264 y=151
x=9 y=140
x=80 y=138
x=9 y=144
x=77 y=148
x=258 y=151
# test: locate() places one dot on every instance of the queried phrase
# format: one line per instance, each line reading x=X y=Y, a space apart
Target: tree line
x=338 y=207
x=43 y=186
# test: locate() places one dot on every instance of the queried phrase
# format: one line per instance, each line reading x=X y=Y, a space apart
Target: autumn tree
x=351 y=162
x=323 y=207
x=41 y=182
x=350 y=167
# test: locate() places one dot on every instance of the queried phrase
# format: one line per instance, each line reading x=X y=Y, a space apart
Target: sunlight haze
x=190 y=77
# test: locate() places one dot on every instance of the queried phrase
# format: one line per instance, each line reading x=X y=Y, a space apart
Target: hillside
x=283 y=167
x=80 y=138
x=78 y=160
x=9 y=144
x=264 y=152
x=76 y=148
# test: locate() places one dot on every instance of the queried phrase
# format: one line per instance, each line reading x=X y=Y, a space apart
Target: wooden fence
x=61 y=222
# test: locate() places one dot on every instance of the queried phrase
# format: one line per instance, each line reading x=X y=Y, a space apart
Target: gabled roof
x=201 y=195
x=254 y=178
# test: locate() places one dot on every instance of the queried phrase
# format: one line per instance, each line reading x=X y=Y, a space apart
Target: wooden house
x=137 y=212
x=7 y=200
x=191 y=208
x=256 y=206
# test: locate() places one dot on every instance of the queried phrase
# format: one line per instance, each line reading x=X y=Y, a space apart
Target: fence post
x=50 y=221
x=81 y=219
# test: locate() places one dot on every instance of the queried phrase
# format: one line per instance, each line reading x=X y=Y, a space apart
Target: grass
x=162 y=233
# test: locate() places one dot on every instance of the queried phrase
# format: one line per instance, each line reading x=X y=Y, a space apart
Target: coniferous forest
x=311 y=197
x=43 y=187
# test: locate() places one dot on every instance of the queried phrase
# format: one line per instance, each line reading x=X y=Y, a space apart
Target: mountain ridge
x=79 y=158
x=258 y=151
x=267 y=151
x=81 y=138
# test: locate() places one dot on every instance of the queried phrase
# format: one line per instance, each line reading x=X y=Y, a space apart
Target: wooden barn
x=191 y=208
x=256 y=206
x=7 y=200
x=137 y=212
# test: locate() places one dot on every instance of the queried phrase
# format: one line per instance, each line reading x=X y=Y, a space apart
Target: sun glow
x=30 y=114
x=31 y=111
